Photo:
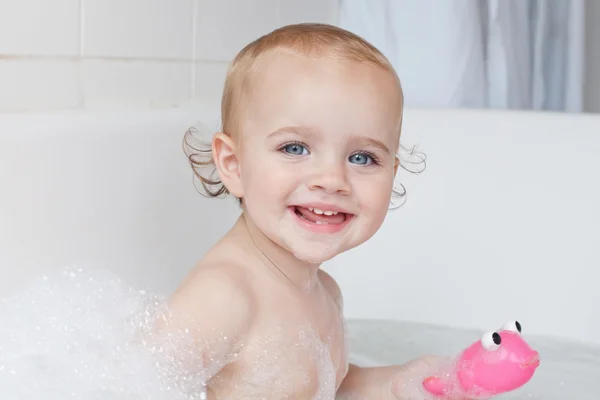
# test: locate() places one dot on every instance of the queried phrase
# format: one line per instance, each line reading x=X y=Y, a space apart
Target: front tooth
x=317 y=211
x=328 y=212
x=321 y=223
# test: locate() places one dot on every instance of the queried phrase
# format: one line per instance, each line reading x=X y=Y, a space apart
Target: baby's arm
x=368 y=383
x=215 y=306
x=397 y=382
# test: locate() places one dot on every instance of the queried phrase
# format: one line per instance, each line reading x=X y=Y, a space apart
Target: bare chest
x=290 y=357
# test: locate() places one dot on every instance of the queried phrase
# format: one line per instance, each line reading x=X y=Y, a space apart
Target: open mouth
x=321 y=219
x=532 y=362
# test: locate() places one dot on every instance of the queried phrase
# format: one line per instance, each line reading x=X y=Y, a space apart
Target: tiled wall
x=72 y=54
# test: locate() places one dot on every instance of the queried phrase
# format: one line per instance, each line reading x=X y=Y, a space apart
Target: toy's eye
x=491 y=341
x=513 y=326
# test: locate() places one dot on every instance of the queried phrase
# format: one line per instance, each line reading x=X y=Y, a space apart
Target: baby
x=311 y=118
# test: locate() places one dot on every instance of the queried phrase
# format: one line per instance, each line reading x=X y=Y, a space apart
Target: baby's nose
x=331 y=179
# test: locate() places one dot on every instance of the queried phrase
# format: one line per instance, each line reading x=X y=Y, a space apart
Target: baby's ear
x=227 y=163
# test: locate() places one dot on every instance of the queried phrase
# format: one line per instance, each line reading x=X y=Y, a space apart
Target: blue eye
x=361 y=159
x=295 y=149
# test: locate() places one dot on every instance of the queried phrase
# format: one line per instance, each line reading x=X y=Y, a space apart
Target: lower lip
x=320 y=228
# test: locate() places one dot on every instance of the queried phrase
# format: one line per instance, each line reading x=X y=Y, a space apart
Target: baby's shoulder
x=217 y=293
x=332 y=287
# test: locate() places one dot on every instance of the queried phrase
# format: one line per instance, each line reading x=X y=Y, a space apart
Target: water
x=567 y=371
x=86 y=335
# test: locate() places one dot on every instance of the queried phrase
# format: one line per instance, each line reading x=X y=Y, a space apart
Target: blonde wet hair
x=311 y=39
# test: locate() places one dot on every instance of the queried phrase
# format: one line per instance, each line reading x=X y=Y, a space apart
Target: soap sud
x=322 y=358
x=86 y=335
x=276 y=362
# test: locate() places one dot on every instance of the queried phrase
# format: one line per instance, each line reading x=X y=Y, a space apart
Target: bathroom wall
x=94 y=54
x=72 y=54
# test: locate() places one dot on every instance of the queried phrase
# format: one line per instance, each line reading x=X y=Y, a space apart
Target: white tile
x=37 y=85
x=39 y=27
x=224 y=27
x=138 y=28
x=296 y=11
x=210 y=79
x=113 y=83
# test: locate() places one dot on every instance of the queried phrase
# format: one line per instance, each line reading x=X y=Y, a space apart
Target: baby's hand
x=399 y=382
x=407 y=383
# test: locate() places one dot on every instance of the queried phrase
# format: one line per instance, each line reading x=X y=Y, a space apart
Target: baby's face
x=318 y=137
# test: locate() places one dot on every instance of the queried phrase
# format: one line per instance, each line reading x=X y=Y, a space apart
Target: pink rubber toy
x=498 y=363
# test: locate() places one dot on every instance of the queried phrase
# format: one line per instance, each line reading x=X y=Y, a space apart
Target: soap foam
x=86 y=335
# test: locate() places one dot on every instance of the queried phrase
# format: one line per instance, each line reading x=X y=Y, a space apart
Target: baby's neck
x=299 y=273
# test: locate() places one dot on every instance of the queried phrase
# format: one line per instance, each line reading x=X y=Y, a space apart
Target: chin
x=313 y=257
x=315 y=252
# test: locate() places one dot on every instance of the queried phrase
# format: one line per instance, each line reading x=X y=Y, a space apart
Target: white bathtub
x=502 y=225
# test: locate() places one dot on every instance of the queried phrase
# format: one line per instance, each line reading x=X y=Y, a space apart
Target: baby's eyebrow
x=375 y=143
x=301 y=130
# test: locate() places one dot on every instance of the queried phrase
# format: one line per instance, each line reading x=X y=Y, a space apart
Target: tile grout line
x=195 y=7
x=107 y=58
x=278 y=11
x=80 y=85
x=81 y=28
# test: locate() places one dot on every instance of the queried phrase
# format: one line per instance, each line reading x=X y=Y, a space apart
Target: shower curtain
x=516 y=54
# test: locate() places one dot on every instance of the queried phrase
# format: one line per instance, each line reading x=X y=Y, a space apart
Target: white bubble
x=84 y=334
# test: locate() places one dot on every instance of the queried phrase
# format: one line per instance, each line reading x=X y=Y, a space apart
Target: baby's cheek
x=258 y=176
x=377 y=194
x=375 y=203
x=265 y=192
